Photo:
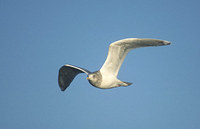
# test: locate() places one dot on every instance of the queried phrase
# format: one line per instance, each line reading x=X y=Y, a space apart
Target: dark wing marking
x=67 y=73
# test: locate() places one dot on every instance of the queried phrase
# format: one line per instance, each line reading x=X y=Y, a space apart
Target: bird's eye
x=93 y=76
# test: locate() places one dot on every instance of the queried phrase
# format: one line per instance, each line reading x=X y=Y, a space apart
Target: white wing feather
x=119 y=49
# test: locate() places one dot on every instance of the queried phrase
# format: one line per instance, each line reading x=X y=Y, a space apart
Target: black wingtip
x=62 y=90
x=62 y=85
x=66 y=75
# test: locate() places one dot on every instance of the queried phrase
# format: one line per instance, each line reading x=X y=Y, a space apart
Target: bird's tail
x=127 y=83
x=122 y=83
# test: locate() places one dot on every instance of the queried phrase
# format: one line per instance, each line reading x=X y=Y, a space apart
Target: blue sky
x=38 y=37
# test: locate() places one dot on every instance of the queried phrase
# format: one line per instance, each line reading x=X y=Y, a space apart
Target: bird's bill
x=87 y=78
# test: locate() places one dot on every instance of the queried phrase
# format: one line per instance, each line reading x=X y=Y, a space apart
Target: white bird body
x=106 y=77
x=108 y=80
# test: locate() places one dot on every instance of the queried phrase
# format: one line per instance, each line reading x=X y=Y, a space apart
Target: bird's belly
x=108 y=82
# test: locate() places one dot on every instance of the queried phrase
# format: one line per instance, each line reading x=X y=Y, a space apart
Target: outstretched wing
x=119 y=49
x=67 y=73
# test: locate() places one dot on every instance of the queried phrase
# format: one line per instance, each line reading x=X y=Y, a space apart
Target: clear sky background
x=39 y=36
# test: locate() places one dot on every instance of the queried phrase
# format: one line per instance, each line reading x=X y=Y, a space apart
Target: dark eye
x=93 y=76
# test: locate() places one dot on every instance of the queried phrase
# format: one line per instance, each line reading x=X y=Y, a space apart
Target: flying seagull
x=106 y=77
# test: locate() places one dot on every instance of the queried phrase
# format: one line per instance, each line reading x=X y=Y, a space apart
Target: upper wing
x=119 y=49
x=67 y=73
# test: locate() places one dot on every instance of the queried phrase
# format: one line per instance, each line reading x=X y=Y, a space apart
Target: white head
x=95 y=78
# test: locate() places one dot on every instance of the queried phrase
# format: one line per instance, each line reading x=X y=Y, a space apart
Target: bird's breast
x=108 y=81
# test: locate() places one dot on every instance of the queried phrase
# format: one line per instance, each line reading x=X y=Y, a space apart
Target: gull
x=106 y=77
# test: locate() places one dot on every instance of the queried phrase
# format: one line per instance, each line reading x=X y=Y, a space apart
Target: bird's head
x=95 y=78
